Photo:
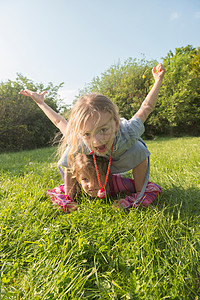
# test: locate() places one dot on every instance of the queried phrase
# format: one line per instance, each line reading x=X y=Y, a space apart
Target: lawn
x=96 y=252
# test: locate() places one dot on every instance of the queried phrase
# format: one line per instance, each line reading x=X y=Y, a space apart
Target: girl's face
x=99 y=135
x=90 y=184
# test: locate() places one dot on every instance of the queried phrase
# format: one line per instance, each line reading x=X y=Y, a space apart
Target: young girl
x=87 y=179
x=94 y=125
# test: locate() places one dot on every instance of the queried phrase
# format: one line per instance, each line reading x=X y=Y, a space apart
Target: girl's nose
x=92 y=183
x=95 y=139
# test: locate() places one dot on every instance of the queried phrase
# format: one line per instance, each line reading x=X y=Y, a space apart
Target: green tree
x=22 y=124
x=177 y=110
x=195 y=63
x=178 y=105
x=125 y=84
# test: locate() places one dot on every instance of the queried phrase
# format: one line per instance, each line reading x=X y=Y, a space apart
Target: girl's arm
x=150 y=102
x=69 y=183
x=152 y=192
x=59 y=121
x=127 y=186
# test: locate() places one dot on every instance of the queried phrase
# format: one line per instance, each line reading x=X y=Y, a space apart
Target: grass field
x=96 y=252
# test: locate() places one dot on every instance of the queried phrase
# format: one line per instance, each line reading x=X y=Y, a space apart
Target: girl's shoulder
x=131 y=124
x=128 y=133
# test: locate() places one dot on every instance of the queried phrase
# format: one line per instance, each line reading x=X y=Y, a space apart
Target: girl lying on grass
x=86 y=179
x=94 y=126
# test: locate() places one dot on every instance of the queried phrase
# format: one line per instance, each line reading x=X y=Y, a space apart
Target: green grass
x=95 y=252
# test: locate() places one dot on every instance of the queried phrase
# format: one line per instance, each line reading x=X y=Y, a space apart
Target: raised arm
x=59 y=121
x=150 y=102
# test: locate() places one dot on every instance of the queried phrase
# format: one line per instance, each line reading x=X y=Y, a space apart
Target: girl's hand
x=158 y=72
x=38 y=98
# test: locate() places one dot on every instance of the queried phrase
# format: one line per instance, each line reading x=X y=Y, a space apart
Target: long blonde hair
x=87 y=106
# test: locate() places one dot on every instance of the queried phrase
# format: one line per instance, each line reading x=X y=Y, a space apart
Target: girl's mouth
x=92 y=193
x=93 y=190
x=101 y=148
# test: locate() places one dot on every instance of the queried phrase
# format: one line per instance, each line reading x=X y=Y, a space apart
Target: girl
x=86 y=177
x=94 y=125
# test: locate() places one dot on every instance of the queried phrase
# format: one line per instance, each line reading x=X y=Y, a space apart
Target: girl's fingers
x=31 y=93
x=28 y=92
x=154 y=70
x=24 y=92
x=44 y=93
x=21 y=92
x=159 y=69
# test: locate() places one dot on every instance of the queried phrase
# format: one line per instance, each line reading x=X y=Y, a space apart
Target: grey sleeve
x=136 y=127
x=132 y=129
x=63 y=159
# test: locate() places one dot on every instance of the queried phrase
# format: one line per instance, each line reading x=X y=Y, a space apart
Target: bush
x=22 y=124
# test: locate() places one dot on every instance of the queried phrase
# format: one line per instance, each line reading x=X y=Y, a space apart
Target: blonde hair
x=87 y=106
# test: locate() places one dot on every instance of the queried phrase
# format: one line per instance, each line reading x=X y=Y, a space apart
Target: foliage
x=178 y=107
x=195 y=62
x=22 y=124
x=125 y=84
x=177 y=110
x=96 y=252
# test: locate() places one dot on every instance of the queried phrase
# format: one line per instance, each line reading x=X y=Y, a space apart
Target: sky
x=73 y=41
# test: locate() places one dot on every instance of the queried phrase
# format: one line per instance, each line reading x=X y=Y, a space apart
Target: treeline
x=24 y=126
x=178 y=107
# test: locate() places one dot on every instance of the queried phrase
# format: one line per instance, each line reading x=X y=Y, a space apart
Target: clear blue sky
x=72 y=41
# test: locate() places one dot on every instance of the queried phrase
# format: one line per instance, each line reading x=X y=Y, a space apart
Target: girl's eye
x=86 y=135
x=104 y=130
x=84 y=179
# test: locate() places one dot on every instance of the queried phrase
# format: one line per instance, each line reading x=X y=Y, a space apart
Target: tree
x=22 y=124
x=178 y=104
x=125 y=84
x=194 y=64
x=177 y=110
